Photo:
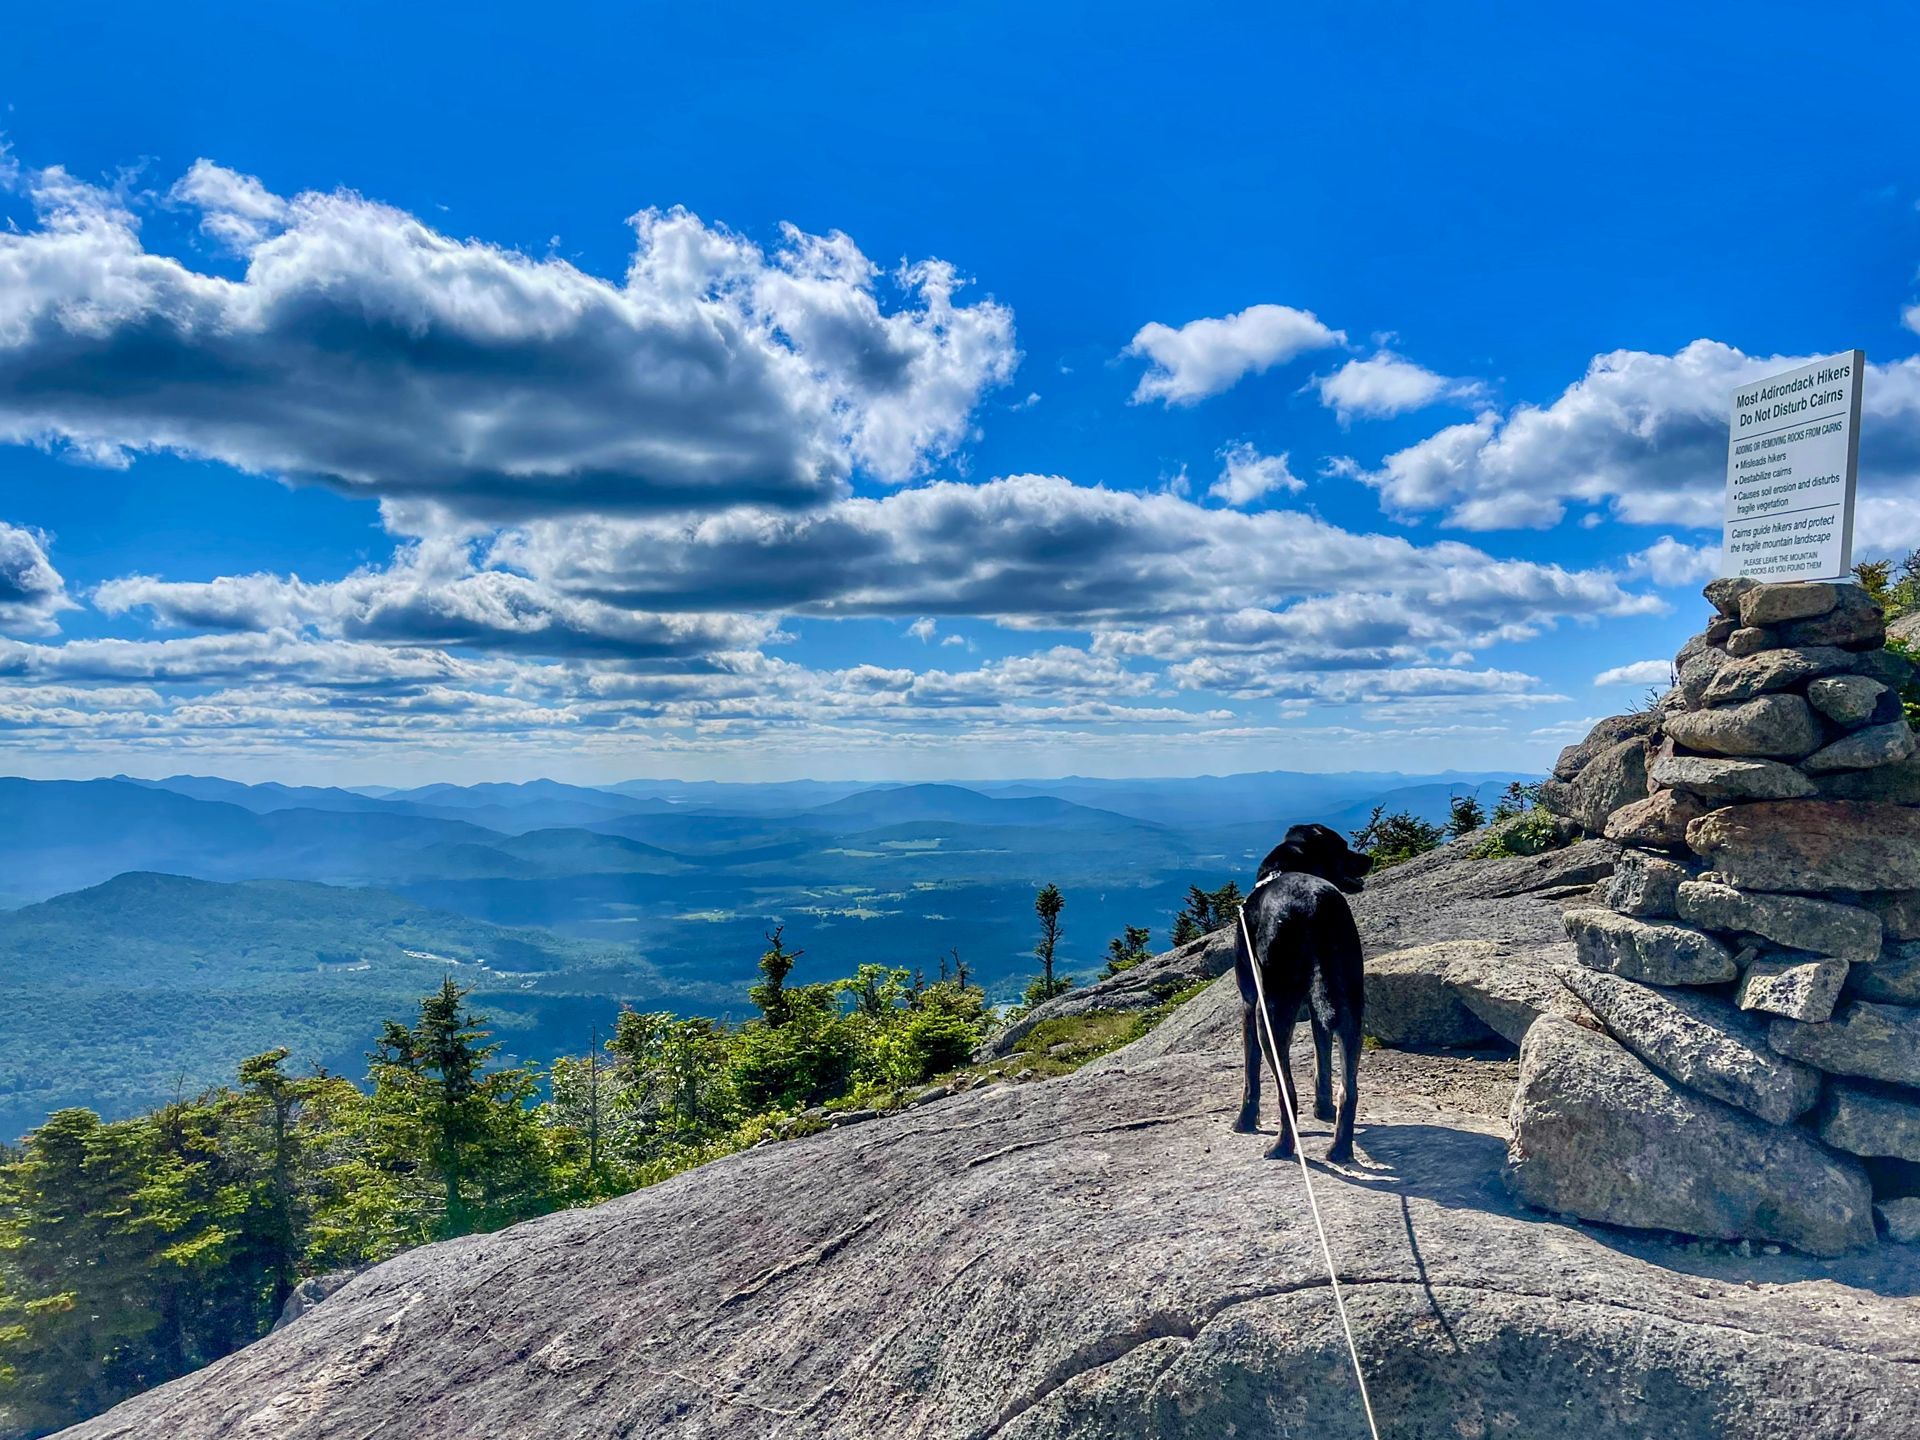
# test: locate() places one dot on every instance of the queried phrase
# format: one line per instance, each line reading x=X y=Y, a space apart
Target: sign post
x=1793 y=455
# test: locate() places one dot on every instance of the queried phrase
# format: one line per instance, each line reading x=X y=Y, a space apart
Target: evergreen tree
x=1206 y=911
x=1390 y=839
x=1128 y=950
x=1467 y=815
x=77 y=1326
x=441 y=1119
x=1047 y=904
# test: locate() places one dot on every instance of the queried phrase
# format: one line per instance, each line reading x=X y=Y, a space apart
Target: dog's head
x=1316 y=850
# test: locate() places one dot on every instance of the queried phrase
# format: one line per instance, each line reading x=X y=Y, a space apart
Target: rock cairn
x=1754 y=1072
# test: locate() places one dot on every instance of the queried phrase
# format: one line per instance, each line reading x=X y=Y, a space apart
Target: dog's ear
x=1289 y=854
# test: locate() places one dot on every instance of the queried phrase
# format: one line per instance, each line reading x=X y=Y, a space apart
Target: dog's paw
x=1323 y=1110
x=1248 y=1123
x=1340 y=1154
x=1282 y=1150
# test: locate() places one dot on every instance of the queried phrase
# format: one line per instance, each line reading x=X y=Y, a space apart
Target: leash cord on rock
x=1300 y=1153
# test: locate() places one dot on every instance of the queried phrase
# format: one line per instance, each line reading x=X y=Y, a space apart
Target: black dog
x=1308 y=948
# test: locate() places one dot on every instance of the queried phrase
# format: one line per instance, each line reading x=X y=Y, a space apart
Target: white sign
x=1793 y=453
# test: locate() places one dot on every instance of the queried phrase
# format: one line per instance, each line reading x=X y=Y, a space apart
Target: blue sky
x=1248 y=389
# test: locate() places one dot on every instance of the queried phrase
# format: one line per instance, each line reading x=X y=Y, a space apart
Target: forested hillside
x=150 y=986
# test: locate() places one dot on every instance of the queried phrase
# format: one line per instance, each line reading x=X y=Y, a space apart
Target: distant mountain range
x=561 y=901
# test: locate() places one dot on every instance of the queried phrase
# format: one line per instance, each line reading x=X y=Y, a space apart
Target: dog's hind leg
x=1322 y=1065
x=1341 y=1151
x=1283 y=1072
x=1249 y=1120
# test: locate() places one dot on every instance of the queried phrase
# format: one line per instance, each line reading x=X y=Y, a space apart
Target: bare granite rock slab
x=1701 y=1041
x=1655 y=954
x=1598 y=1132
x=1092 y=1257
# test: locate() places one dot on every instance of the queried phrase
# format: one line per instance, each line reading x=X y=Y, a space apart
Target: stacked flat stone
x=1757 y=966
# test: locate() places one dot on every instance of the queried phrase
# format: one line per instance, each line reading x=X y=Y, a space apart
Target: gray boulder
x=1724 y=593
x=1694 y=671
x=1599 y=1133
x=1780 y=726
x=1508 y=992
x=1660 y=820
x=1410 y=1004
x=1845 y=699
x=1896 y=784
x=1654 y=954
x=1645 y=885
x=1876 y=745
x=1751 y=640
x=1854 y=622
x=1891 y=669
x=1900 y=1219
x=1615 y=777
x=1899 y=912
x=1893 y=979
x=1811 y=845
x=1715 y=778
x=1701 y=1041
x=1744 y=678
x=1864 y=1038
x=1770 y=603
x=1602 y=737
x=311 y=1291
x=1871 y=1122
x=1796 y=921
x=1800 y=987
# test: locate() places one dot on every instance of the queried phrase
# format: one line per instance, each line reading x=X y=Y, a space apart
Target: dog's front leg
x=1249 y=1120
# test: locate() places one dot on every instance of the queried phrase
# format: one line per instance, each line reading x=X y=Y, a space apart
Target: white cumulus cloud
x=1384 y=385
x=363 y=349
x=1246 y=475
x=1205 y=357
x=1640 y=672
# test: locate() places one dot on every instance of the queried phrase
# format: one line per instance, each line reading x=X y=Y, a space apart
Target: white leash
x=1300 y=1153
